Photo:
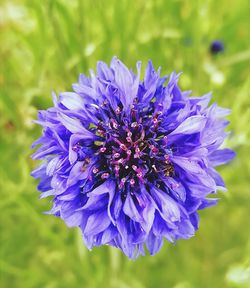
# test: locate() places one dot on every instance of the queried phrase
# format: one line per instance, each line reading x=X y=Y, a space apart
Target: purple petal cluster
x=130 y=161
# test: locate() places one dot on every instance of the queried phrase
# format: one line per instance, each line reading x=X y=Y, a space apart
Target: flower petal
x=154 y=243
x=220 y=157
x=71 y=100
x=97 y=223
x=75 y=126
x=167 y=207
x=129 y=208
x=191 y=125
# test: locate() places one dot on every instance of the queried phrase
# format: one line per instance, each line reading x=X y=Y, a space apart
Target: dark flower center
x=133 y=150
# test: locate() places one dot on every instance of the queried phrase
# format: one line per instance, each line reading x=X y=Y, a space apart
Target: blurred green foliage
x=44 y=46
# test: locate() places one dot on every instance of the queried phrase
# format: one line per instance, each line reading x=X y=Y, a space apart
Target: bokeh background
x=44 y=45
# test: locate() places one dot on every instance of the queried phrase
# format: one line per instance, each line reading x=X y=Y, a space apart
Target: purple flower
x=216 y=47
x=131 y=162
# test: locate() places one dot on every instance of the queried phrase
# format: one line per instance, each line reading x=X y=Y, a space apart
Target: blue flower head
x=216 y=47
x=130 y=162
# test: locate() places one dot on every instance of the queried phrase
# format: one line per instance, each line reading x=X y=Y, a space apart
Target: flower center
x=132 y=150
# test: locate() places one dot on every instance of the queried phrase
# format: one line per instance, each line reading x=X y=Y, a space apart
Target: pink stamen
x=117 y=155
x=95 y=170
x=134 y=125
x=123 y=147
x=101 y=132
x=129 y=134
x=103 y=149
x=132 y=182
x=113 y=124
x=153 y=149
x=134 y=167
x=105 y=175
x=118 y=110
x=137 y=150
x=121 y=185
x=166 y=156
x=155 y=121
x=139 y=175
x=121 y=161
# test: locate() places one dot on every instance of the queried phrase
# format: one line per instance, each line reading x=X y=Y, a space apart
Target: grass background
x=44 y=45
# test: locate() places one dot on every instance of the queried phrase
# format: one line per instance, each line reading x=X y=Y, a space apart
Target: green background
x=44 y=45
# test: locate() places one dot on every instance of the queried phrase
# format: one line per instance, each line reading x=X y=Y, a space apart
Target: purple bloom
x=216 y=47
x=130 y=162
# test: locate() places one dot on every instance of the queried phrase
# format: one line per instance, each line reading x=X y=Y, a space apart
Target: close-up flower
x=129 y=161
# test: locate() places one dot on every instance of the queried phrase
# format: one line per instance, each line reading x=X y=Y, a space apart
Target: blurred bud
x=216 y=47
